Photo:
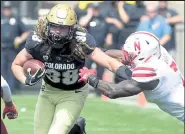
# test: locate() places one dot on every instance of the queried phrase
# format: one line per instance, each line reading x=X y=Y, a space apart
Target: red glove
x=85 y=72
x=10 y=112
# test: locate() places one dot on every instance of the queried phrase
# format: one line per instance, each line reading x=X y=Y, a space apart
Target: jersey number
x=174 y=67
x=36 y=38
x=69 y=77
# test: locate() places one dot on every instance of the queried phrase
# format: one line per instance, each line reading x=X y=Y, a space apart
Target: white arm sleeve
x=5 y=90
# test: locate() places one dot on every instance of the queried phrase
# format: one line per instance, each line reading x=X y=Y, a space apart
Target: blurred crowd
x=110 y=23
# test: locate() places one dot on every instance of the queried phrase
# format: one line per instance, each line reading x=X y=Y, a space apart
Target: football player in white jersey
x=153 y=71
x=9 y=109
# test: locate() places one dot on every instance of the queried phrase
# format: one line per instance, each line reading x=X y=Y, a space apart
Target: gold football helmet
x=61 y=20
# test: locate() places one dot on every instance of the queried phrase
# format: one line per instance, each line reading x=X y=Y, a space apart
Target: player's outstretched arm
x=124 y=88
x=17 y=65
x=104 y=60
x=127 y=87
x=115 y=53
x=88 y=45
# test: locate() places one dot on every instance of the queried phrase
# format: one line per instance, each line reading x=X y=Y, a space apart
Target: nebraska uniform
x=169 y=94
x=153 y=71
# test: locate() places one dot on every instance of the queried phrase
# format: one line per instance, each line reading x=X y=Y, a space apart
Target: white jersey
x=169 y=94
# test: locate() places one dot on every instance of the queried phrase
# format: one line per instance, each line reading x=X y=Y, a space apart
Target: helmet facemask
x=128 y=58
x=59 y=35
x=140 y=47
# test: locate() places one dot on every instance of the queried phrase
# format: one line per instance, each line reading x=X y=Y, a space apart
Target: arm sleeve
x=5 y=89
x=122 y=89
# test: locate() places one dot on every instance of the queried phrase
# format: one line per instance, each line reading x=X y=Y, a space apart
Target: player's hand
x=34 y=79
x=10 y=112
x=85 y=73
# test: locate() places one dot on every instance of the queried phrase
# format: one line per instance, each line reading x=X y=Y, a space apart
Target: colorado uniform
x=169 y=94
x=61 y=97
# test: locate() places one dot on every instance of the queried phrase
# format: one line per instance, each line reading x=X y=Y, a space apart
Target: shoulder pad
x=32 y=41
x=144 y=74
x=91 y=44
x=34 y=38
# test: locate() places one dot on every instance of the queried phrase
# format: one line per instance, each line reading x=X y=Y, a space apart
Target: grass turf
x=103 y=118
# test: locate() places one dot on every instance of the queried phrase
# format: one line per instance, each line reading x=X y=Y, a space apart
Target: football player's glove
x=85 y=73
x=34 y=79
x=10 y=112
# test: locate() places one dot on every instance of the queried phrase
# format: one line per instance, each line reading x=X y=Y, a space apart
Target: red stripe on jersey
x=144 y=68
x=143 y=75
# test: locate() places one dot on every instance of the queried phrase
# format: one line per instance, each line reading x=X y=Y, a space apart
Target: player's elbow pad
x=124 y=73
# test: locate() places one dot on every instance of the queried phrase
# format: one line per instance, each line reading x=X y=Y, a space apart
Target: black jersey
x=61 y=69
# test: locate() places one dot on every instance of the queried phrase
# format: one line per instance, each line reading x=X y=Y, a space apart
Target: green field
x=103 y=118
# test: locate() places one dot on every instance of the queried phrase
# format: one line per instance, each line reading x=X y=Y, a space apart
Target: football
x=34 y=65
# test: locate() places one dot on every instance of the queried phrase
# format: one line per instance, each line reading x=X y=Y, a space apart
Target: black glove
x=34 y=79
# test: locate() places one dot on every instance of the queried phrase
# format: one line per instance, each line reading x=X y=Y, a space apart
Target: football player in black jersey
x=62 y=45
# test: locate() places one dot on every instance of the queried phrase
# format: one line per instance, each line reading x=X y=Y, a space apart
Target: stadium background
x=120 y=116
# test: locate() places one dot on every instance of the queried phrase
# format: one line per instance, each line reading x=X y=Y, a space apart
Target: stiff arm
x=131 y=84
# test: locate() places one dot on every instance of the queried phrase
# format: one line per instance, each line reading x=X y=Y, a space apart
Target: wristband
x=93 y=81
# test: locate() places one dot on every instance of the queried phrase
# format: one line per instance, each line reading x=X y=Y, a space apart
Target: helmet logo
x=61 y=14
x=137 y=46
